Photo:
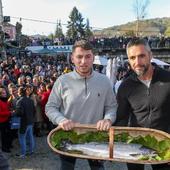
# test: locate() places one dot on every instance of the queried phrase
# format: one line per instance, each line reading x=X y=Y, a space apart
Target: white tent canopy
x=99 y=60
x=159 y=62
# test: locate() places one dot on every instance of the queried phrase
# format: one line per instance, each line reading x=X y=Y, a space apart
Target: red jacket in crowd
x=44 y=99
x=4 y=111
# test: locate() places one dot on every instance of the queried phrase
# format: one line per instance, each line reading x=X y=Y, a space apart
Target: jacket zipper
x=85 y=80
x=149 y=109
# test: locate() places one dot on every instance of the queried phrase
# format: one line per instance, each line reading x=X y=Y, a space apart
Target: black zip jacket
x=26 y=110
x=140 y=106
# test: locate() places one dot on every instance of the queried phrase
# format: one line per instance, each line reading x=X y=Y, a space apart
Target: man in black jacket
x=144 y=97
x=25 y=109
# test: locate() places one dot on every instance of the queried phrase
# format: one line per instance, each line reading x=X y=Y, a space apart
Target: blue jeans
x=28 y=135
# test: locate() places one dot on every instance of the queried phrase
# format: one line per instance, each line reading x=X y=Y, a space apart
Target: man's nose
x=138 y=61
x=83 y=60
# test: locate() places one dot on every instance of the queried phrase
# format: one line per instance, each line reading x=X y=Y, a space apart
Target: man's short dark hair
x=138 y=41
x=86 y=45
x=22 y=90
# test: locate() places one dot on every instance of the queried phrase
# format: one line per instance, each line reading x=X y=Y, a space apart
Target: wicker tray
x=133 y=131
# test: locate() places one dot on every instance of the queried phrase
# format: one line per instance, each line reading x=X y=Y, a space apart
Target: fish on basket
x=121 y=144
x=121 y=150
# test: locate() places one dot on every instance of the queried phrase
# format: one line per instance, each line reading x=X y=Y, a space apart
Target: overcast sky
x=101 y=13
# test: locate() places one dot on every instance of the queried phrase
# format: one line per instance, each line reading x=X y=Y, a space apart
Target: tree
x=59 y=32
x=18 y=32
x=51 y=36
x=130 y=33
x=140 y=10
x=75 y=25
x=24 y=41
x=167 y=32
x=88 y=32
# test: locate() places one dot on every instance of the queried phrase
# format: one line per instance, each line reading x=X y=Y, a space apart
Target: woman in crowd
x=4 y=120
x=38 y=121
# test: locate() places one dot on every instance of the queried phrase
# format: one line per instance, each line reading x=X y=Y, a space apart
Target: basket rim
x=117 y=130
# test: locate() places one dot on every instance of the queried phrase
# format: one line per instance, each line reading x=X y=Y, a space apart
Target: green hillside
x=156 y=26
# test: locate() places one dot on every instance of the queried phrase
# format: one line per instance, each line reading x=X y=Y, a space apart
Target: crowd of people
x=37 y=90
x=117 y=42
x=25 y=85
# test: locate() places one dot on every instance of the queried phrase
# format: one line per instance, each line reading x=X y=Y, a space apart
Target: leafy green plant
x=161 y=147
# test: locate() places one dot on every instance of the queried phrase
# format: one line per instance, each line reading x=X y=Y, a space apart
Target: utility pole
x=1 y=13
x=2 y=33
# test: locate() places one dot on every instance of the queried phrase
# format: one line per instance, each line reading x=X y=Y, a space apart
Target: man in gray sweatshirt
x=82 y=96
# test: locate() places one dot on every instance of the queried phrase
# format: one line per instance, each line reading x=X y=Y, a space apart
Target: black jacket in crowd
x=140 y=106
x=26 y=110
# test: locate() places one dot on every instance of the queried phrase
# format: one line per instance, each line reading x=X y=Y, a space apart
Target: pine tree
x=88 y=32
x=59 y=32
x=75 y=25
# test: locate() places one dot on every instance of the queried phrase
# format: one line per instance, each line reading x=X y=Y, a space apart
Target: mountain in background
x=148 y=27
x=38 y=36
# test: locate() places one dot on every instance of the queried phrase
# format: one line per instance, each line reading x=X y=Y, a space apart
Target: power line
x=43 y=21
x=56 y=23
x=36 y=20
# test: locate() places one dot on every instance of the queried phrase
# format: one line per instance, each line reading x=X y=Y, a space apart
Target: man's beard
x=142 y=71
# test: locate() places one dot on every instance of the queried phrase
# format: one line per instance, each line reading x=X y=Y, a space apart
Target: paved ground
x=45 y=159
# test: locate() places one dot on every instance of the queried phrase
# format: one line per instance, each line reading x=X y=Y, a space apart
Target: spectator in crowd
x=5 y=114
x=44 y=98
x=12 y=100
x=21 y=80
x=66 y=69
x=17 y=71
x=28 y=80
x=38 y=121
x=35 y=81
x=26 y=110
x=5 y=80
x=144 y=97
x=77 y=98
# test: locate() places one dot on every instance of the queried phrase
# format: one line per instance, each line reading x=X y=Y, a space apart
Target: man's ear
x=72 y=59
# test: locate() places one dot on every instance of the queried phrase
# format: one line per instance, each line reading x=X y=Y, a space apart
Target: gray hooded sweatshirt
x=83 y=100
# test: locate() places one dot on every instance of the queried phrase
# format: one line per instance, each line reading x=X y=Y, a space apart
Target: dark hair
x=138 y=41
x=22 y=90
x=49 y=86
x=86 y=45
x=43 y=84
x=28 y=86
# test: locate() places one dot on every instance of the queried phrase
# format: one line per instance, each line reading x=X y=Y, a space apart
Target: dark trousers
x=68 y=163
x=6 y=137
x=154 y=167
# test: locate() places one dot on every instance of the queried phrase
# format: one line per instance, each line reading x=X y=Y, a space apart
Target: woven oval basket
x=133 y=131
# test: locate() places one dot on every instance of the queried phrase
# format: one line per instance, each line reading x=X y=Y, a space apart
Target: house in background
x=10 y=30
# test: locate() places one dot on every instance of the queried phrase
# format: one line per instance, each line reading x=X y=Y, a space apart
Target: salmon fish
x=121 y=150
